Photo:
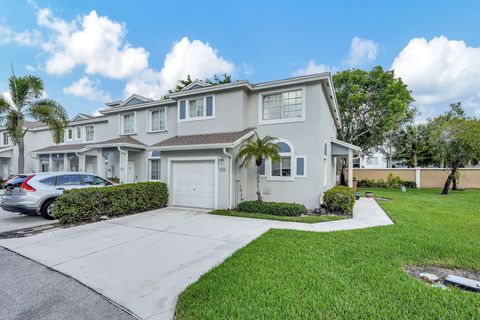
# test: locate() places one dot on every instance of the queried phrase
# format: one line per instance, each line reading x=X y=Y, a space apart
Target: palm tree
x=27 y=102
x=259 y=150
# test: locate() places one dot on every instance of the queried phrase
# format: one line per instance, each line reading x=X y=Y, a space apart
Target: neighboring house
x=376 y=160
x=190 y=140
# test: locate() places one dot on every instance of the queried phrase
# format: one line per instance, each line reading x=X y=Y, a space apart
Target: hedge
x=273 y=208
x=392 y=182
x=339 y=200
x=90 y=204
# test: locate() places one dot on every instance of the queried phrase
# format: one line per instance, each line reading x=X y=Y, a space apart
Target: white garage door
x=194 y=184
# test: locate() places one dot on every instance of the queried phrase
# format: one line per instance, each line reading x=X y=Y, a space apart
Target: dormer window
x=196 y=109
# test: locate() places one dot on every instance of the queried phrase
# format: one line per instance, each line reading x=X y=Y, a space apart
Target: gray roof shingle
x=199 y=139
x=79 y=146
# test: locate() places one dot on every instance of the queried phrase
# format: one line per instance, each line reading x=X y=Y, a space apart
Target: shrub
x=339 y=199
x=90 y=204
x=273 y=208
x=393 y=182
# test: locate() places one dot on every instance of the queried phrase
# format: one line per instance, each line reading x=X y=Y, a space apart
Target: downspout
x=126 y=167
x=230 y=189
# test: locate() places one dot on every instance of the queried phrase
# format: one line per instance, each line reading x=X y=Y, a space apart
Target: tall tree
x=223 y=79
x=371 y=104
x=411 y=145
x=181 y=84
x=27 y=102
x=258 y=150
x=215 y=80
x=455 y=141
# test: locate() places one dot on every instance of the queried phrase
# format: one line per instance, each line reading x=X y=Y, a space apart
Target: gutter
x=230 y=189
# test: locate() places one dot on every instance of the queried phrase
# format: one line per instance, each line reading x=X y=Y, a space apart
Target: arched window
x=283 y=167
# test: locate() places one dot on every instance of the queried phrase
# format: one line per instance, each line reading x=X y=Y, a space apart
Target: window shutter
x=182 y=110
x=209 y=106
x=300 y=166
x=262 y=168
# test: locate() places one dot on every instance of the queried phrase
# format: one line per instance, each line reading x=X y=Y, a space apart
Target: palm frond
x=52 y=114
x=257 y=150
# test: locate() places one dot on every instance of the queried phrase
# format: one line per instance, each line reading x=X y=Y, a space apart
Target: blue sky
x=88 y=52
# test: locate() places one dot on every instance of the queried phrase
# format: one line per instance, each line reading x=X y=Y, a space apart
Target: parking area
x=11 y=221
x=144 y=261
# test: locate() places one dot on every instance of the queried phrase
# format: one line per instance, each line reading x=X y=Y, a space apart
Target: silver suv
x=36 y=192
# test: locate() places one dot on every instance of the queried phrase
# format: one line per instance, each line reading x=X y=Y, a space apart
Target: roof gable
x=134 y=99
x=197 y=84
x=81 y=116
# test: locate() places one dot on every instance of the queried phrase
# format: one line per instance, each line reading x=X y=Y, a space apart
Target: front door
x=131 y=172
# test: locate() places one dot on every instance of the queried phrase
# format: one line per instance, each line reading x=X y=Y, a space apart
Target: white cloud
x=25 y=38
x=362 y=51
x=86 y=88
x=440 y=70
x=194 y=58
x=94 y=42
x=30 y=68
x=312 y=68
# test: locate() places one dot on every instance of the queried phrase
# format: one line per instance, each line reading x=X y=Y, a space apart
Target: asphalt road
x=30 y=291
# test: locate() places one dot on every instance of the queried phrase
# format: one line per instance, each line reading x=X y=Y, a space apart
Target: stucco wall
x=428 y=177
x=308 y=138
x=435 y=178
x=404 y=174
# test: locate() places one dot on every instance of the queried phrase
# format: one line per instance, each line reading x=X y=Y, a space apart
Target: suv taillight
x=25 y=186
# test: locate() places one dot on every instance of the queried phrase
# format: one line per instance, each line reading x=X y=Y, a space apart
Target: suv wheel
x=47 y=211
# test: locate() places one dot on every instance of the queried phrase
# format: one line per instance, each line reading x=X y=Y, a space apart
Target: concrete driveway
x=11 y=221
x=144 y=261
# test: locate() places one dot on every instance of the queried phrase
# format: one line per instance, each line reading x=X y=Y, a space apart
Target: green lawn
x=350 y=274
x=304 y=219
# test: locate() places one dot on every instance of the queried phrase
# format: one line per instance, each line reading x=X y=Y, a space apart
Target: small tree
x=259 y=150
x=27 y=102
x=455 y=142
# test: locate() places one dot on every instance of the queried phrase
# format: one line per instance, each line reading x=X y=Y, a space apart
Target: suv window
x=69 y=180
x=94 y=180
x=50 y=181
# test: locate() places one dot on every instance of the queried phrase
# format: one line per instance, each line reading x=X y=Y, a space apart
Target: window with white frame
x=157 y=120
x=90 y=133
x=78 y=133
x=283 y=106
x=283 y=167
x=5 y=140
x=196 y=109
x=69 y=136
x=127 y=123
x=155 y=166
x=289 y=166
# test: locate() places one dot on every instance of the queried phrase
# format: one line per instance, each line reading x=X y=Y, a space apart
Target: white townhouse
x=191 y=139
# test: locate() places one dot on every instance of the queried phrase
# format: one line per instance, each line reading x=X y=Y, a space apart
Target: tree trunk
x=449 y=180
x=259 y=194
x=454 y=183
x=21 y=157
